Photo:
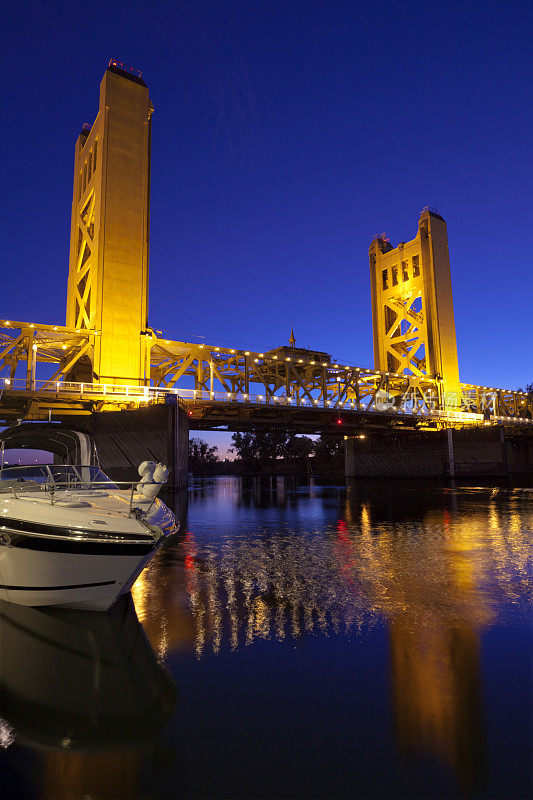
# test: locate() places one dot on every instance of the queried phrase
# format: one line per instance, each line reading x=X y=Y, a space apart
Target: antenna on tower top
x=292 y=340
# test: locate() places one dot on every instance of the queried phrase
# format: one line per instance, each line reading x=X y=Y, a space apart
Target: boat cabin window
x=64 y=476
x=37 y=473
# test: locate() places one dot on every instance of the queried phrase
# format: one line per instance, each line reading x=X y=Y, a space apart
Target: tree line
x=262 y=449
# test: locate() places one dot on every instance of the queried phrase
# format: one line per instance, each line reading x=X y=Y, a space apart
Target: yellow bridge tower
x=108 y=268
x=412 y=306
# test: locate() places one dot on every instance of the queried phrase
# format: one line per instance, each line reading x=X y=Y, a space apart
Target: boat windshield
x=63 y=476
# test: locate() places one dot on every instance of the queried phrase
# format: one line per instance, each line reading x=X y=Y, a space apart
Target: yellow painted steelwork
x=108 y=270
x=412 y=307
x=212 y=375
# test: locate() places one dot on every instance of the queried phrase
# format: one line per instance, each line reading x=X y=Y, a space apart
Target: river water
x=296 y=641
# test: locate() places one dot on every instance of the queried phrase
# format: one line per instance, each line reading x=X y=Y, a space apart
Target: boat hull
x=92 y=576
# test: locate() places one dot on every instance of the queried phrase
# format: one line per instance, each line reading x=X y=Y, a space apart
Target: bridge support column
x=450 y=454
x=177 y=447
x=155 y=433
x=349 y=457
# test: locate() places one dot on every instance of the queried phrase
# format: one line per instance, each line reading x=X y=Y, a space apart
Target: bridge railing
x=117 y=393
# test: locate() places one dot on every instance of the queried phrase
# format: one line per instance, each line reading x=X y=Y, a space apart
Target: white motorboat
x=69 y=535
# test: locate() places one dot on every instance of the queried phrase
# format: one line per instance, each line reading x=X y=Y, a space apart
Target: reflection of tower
x=113 y=774
x=434 y=615
x=435 y=651
x=436 y=694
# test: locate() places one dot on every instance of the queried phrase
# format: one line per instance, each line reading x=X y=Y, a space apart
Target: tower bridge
x=107 y=364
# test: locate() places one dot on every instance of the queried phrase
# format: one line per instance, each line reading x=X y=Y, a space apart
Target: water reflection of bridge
x=362 y=569
x=422 y=570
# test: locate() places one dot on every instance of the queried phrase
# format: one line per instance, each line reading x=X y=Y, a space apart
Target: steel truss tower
x=412 y=306
x=108 y=268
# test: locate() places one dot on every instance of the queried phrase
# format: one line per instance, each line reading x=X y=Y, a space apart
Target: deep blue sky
x=286 y=134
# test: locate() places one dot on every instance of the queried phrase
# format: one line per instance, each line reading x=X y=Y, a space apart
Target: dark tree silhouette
x=328 y=447
x=201 y=455
x=264 y=447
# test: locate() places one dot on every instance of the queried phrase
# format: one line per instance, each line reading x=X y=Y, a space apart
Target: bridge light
x=34 y=348
x=247 y=353
x=256 y=360
x=324 y=364
x=312 y=362
x=274 y=356
x=361 y=436
x=261 y=355
x=63 y=347
x=339 y=422
x=32 y=325
x=232 y=351
x=315 y=402
x=7 y=382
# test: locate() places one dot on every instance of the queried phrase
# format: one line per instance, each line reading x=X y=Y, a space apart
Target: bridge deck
x=207 y=410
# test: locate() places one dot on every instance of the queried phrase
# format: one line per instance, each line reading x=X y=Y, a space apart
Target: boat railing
x=18 y=480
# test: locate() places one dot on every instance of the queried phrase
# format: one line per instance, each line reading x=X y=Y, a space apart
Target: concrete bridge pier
x=397 y=454
x=157 y=433
x=349 y=457
x=476 y=452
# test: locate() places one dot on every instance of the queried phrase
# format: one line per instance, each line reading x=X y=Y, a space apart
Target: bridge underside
x=234 y=416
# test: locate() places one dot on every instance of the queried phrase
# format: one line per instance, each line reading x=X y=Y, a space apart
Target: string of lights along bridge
x=106 y=357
